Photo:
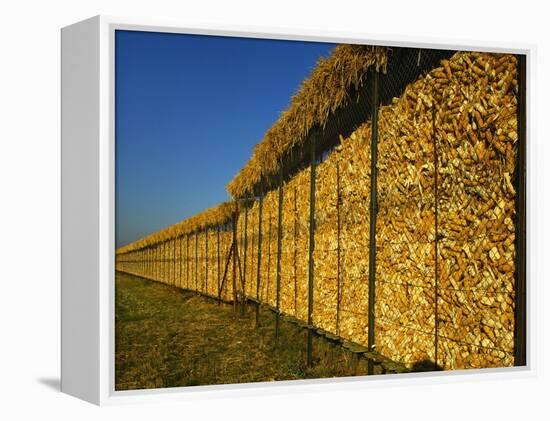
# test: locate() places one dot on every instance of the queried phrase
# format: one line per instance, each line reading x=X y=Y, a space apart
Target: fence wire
x=445 y=279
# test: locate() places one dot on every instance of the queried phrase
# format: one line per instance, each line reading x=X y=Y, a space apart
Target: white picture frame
x=88 y=212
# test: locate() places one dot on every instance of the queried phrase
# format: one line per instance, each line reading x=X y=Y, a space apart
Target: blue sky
x=189 y=110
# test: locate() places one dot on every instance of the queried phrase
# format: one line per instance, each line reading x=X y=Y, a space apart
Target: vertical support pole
x=268 y=257
x=279 y=249
x=206 y=262
x=234 y=245
x=311 y=248
x=436 y=240
x=174 y=262
x=164 y=263
x=520 y=325
x=373 y=212
x=218 y=252
x=260 y=208
x=338 y=270
x=181 y=262
x=245 y=245
x=295 y=252
x=187 y=261
x=196 y=261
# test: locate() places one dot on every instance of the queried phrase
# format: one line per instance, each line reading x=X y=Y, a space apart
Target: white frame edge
x=88 y=337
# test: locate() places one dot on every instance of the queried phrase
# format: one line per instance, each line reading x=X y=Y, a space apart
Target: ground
x=168 y=337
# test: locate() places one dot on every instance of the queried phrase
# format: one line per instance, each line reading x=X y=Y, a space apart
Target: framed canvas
x=244 y=209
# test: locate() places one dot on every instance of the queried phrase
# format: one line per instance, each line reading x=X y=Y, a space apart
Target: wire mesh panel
x=477 y=138
x=269 y=249
x=252 y=248
x=288 y=219
x=354 y=170
x=301 y=183
x=326 y=248
x=444 y=287
x=405 y=264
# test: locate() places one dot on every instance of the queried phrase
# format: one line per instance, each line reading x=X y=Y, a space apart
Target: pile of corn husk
x=466 y=109
x=320 y=95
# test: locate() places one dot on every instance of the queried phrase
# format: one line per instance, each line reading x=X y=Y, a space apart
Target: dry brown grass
x=166 y=337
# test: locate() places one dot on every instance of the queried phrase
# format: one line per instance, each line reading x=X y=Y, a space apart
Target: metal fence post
x=373 y=213
x=181 y=262
x=147 y=262
x=279 y=248
x=234 y=245
x=164 y=263
x=245 y=245
x=219 y=273
x=206 y=262
x=187 y=261
x=295 y=252
x=174 y=262
x=157 y=262
x=311 y=248
x=196 y=261
x=338 y=270
x=268 y=257
x=260 y=206
x=520 y=336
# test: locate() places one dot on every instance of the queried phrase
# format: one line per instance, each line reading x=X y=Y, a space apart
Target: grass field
x=167 y=337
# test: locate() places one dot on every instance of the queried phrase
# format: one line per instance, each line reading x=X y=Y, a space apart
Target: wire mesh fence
x=444 y=287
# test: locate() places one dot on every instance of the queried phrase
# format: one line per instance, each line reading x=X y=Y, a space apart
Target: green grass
x=167 y=337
